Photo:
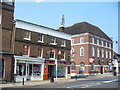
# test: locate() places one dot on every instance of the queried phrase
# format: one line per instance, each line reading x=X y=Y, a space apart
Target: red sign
x=91 y=60
x=49 y=61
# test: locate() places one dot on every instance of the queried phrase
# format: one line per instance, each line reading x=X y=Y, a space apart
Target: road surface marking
x=110 y=81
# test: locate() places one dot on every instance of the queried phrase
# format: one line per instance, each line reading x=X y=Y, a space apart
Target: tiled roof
x=84 y=27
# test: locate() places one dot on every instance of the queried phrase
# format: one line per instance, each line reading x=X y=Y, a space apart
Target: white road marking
x=110 y=81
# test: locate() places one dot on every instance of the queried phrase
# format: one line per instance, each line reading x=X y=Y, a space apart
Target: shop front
x=28 y=68
x=63 y=69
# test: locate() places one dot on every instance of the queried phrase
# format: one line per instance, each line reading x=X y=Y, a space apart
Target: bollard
x=23 y=81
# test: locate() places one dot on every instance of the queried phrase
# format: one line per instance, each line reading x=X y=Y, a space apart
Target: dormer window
x=27 y=35
x=53 y=41
x=40 y=37
x=63 y=43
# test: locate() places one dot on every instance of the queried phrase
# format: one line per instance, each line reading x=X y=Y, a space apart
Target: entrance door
x=1 y=68
x=50 y=71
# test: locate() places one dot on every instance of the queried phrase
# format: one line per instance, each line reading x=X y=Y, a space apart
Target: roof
x=85 y=27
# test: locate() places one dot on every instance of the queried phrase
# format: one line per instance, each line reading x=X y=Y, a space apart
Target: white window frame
x=93 y=51
x=82 y=48
x=102 y=53
x=93 y=40
x=109 y=45
x=63 y=43
x=72 y=41
x=102 y=43
x=106 y=54
x=110 y=54
x=54 y=39
x=28 y=50
x=41 y=52
x=54 y=54
x=81 y=40
x=29 y=36
x=40 y=36
x=98 y=42
x=98 y=52
x=106 y=44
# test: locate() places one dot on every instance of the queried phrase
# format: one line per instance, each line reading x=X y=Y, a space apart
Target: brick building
x=91 y=49
x=6 y=27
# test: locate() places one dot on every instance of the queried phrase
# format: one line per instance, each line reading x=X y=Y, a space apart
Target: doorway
x=1 y=68
x=51 y=69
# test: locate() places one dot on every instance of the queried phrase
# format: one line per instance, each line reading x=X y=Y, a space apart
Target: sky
x=101 y=14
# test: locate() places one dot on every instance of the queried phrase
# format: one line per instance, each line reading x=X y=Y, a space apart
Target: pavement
x=42 y=82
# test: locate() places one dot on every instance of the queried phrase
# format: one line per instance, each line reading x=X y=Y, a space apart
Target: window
x=21 y=69
x=63 y=43
x=81 y=40
x=9 y=2
x=93 y=40
x=26 y=50
x=63 y=55
x=82 y=68
x=52 y=53
x=106 y=54
x=110 y=45
x=36 y=69
x=98 y=42
x=72 y=41
x=53 y=40
x=102 y=53
x=106 y=44
x=27 y=35
x=98 y=52
x=72 y=52
x=110 y=54
x=72 y=66
x=40 y=52
x=40 y=37
x=102 y=43
x=93 y=51
x=81 y=51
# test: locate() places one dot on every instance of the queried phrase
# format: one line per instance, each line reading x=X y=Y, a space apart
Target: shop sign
x=49 y=62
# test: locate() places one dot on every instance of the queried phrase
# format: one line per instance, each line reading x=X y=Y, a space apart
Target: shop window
x=40 y=37
x=26 y=50
x=40 y=52
x=82 y=68
x=53 y=41
x=52 y=53
x=81 y=51
x=63 y=43
x=27 y=35
x=81 y=40
x=63 y=55
x=36 y=70
x=21 y=69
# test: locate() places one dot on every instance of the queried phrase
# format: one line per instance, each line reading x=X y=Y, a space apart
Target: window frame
x=26 y=50
x=40 y=37
x=81 y=39
x=27 y=35
x=40 y=52
x=82 y=54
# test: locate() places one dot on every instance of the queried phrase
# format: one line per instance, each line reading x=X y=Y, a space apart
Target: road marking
x=110 y=81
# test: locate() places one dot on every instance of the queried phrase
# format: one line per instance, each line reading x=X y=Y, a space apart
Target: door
x=101 y=69
x=1 y=68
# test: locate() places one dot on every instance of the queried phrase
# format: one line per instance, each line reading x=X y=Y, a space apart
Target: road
x=105 y=82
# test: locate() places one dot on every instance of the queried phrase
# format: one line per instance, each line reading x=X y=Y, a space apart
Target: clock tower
x=6 y=24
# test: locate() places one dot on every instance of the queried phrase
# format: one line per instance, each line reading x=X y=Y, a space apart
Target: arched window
x=81 y=51
x=82 y=68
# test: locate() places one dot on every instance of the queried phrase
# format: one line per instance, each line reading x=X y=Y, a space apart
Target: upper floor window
x=106 y=44
x=81 y=51
x=102 y=53
x=26 y=50
x=40 y=37
x=63 y=43
x=110 y=55
x=102 y=43
x=40 y=52
x=93 y=41
x=52 y=53
x=27 y=35
x=110 y=45
x=98 y=42
x=63 y=55
x=81 y=40
x=53 y=40
x=93 y=51
x=72 y=52
x=98 y=52
x=72 y=41
x=106 y=54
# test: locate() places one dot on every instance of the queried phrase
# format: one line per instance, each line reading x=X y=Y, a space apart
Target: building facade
x=91 y=50
x=40 y=51
x=6 y=28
